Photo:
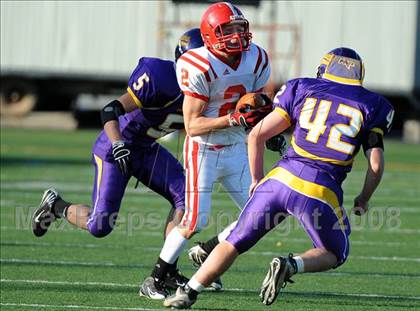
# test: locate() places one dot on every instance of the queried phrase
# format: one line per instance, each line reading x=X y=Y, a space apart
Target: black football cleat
x=153 y=289
x=175 y=279
x=43 y=216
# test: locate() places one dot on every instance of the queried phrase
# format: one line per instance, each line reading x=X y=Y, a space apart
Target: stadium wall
x=108 y=37
x=91 y=40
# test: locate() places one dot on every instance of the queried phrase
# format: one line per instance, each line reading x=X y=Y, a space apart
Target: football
x=250 y=101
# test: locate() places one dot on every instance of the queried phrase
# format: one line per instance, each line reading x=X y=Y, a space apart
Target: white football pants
x=206 y=165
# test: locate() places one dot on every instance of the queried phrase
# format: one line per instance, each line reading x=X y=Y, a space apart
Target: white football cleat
x=197 y=255
x=183 y=298
x=277 y=277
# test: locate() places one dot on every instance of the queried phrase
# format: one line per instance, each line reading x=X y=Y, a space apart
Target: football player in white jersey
x=213 y=78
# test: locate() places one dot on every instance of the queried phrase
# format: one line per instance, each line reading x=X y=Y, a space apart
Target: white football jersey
x=203 y=75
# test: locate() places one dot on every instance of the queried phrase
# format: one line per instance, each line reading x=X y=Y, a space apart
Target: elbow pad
x=112 y=111
x=372 y=140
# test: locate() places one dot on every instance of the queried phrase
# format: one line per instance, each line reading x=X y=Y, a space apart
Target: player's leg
x=108 y=190
x=199 y=182
x=47 y=212
x=263 y=211
x=235 y=180
x=107 y=195
x=329 y=229
x=172 y=220
x=163 y=174
x=316 y=204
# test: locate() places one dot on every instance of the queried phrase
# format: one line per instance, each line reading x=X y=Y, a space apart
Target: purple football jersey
x=331 y=121
x=154 y=88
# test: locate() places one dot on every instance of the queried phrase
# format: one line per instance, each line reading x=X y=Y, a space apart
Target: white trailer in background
x=56 y=53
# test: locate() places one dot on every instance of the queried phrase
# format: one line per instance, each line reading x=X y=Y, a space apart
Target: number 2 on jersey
x=317 y=126
x=184 y=77
x=229 y=93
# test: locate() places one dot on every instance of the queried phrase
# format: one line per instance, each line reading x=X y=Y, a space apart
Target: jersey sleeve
x=263 y=74
x=192 y=79
x=141 y=85
x=284 y=101
x=381 y=118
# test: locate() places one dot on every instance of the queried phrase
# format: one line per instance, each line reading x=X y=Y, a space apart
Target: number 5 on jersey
x=140 y=81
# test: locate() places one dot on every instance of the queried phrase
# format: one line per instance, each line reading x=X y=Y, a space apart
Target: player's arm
x=109 y=117
x=271 y=125
x=380 y=123
x=373 y=147
x=111 y=112
x=195 y=122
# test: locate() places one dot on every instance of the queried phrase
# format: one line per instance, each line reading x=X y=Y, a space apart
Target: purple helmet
x=342 y=65
x=189 y=40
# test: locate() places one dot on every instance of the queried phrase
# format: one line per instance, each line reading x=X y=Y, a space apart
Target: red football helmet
x=224 y=28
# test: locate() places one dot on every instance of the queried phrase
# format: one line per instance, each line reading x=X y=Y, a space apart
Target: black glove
x=121 y=154
x=277 y=143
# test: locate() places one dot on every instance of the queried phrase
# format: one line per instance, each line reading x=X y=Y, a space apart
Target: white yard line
x=69 y=283
x=352 y=241
x=154 y=249
x=336 y=294
x=143 y=231
x=227 y=290
x=253 y=253
x=36 y=305
x=81 y=245
x=373 y=258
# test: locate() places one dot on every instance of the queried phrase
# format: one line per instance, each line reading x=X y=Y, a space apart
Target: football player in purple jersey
x=150 y=109
x=333 y=116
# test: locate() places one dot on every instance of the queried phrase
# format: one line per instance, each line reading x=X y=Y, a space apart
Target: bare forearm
x=203 y=125
x=373 y=174
x=372 y=181
x=112 y=130
x=256 y=157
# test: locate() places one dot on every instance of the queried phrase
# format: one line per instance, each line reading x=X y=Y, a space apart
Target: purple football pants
x=153 y=166
x=305 y=192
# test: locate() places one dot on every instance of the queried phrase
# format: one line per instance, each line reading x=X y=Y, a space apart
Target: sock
x=195 y=285
x=172 y=268
x=224 y=234
x=210 y=244
x=60 y=208
x=173 y=246
x=160 y=270
x=298 y=264
x=192 y=294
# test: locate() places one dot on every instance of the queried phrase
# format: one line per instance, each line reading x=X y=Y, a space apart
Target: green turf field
x=69 y=269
